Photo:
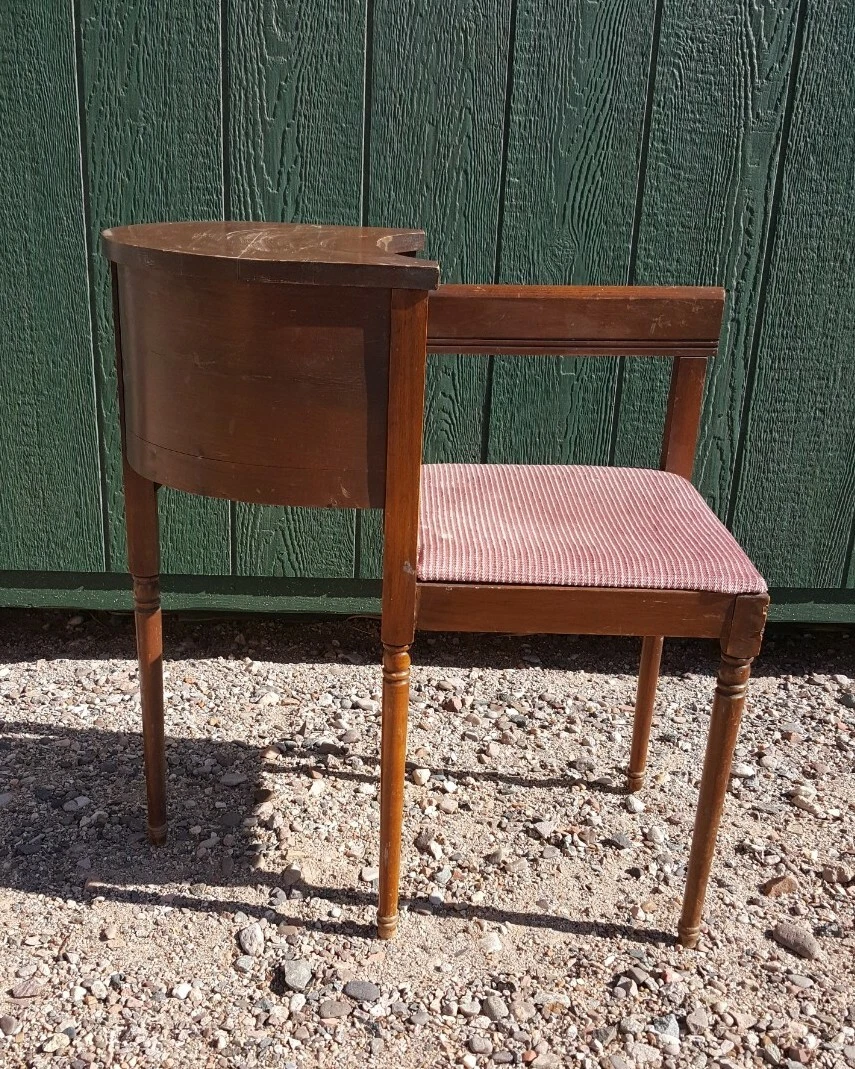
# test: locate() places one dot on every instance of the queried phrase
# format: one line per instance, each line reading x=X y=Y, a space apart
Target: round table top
x=276 y=252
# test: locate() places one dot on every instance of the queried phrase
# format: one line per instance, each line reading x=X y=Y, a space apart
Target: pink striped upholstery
x=575 y=526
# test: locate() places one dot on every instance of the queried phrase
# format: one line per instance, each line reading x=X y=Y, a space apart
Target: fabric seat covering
x=574 y=525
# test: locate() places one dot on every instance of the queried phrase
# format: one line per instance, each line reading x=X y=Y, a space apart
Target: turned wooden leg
x=727 y=709
x=645 y=699
x=393 y=755
x=144 y=563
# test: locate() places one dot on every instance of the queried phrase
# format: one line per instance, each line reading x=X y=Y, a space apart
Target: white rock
x=490 y=943
x=420 y=776
x=181 y=991
x=251 y=940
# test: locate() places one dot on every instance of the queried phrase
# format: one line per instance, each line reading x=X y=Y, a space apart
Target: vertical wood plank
x=437 y=112
x=151 y=94
x=722 y=78
x=294 y=129
x=50 y=500
x=795 y=504
x=576 y=119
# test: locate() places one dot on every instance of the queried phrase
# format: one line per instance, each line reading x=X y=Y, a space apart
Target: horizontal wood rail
x=521 y=610
x=682 y=321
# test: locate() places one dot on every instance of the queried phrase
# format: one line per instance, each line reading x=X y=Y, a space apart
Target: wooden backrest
x=681 y=322
x=255 y=358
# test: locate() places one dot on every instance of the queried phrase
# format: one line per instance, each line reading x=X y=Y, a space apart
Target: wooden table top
x=276 y=252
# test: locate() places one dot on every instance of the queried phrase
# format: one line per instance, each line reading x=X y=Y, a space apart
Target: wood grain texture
x=437 y=112
x=722 y=75
x=576 y=115
x=555 y=610
x=796 y=498
x=294 y=153
x=50 y=507
x=151 y=95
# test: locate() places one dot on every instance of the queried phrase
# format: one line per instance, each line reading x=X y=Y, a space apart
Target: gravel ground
x=541 y=900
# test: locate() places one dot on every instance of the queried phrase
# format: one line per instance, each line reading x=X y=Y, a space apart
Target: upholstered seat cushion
x=562 y=525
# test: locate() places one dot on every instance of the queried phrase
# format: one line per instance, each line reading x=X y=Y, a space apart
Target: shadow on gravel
x=45 y=851
x=57 y=778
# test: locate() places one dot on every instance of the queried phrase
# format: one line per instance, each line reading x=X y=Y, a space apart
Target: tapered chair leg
x=393 y=756
x=727 y=709
x=144 y=562
x=645 y=699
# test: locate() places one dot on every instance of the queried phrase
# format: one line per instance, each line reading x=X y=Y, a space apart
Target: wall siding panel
x=50 y=498
x=438 y=84
x=550 y=141
x=722 y=78
x=574 y=139
x=294 y=120
x=796 y=500
x=153 y=142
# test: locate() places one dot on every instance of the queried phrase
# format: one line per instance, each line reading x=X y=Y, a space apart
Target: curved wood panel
x=274 y=394
x=276 y=252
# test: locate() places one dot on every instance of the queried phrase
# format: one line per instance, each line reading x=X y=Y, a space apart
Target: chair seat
x=560 y=525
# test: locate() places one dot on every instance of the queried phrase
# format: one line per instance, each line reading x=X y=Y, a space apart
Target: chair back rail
x=680 y=322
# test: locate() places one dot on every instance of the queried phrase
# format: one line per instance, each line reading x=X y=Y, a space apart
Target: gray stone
x=666 y=1026
x=620 y=840
x=295 y=974
x=251 y=940
x=469 y=1007
x=332 y=1008
x=5 y=798
x=544 y=828
x=29 y=989
x=490 y=943
x=798 y=941
x=9 y=1026
x=495 y=1008
x=232 y=779
x=606 y=1034
x=480 y=1045
x=362 y=991
x=58 y=1041
x=697 y=1021
x=743 y=771
x=243 y=964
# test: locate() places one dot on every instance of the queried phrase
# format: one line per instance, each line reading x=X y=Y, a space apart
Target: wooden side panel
x=151 y=93
x=577 y=108
x=722 y=76
x=438 y=83
x=796 y=498
x=294 y=121
x=50 y=509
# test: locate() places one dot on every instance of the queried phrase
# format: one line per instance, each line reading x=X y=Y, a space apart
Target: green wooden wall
x=556 y=141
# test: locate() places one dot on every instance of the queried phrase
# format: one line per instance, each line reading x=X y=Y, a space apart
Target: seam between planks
x=500 y=218
x=89 y=252
x=768 y=251
x=364 y=207
x=643 y=151
x=226 y=206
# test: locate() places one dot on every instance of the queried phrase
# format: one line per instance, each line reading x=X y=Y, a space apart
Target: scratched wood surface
x=549 y=141
x=294 y=111
x=152 y=141
x=568 y=209
x=50 y=510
